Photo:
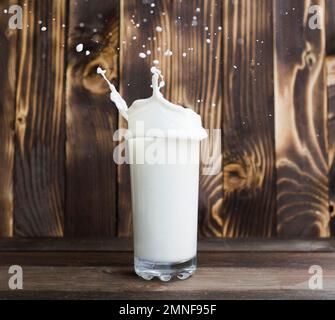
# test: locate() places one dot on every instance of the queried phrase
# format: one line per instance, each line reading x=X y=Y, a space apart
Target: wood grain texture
x=126 y=245
x=330 y=64
x=8 y=46
x=40 y=121
x=278 y=170
x=91 y=120
x=330 y=26
x=248 y=122
x=193 y=80
x=270 y=294
x=301 y=122
x=219 y=276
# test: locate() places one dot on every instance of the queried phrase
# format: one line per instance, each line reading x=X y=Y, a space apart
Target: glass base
x=148 y=270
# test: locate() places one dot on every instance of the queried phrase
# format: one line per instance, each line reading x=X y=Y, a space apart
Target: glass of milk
x=163 y=144
x=164 y=151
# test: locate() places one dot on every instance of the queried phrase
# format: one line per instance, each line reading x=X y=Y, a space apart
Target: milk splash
x=115 y=96
x=156 y=75
x=157 y=84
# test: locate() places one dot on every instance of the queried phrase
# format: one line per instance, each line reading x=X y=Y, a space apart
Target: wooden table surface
x=255 y=269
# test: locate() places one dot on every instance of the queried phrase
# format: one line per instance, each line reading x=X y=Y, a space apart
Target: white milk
x=165 y=203
x=163 y=143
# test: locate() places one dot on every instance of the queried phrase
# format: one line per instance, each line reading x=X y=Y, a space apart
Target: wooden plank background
x=8 y=47
x=301 y=122
x=331 y=118
x=270 y=94
x=40 y=121
x=91 y=120
x=249 y=206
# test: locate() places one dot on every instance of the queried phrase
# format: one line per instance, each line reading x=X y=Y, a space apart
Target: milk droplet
x=168 y=53
x=208 y=40
x=159 y=29
x=155 y=62
x=87 y=52
x=142 y=55
x=43 y=29
x=5 y=11
x=148 y=52
x=184 y=54
x=153 y=5
x=79 y=47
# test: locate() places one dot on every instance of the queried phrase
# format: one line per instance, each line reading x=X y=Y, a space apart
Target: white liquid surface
x=165 y=203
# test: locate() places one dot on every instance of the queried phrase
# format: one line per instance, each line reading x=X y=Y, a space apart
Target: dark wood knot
x=235 y=177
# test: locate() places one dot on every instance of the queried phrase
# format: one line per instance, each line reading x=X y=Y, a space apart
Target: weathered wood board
x=91 y=120
x=254 y=70
x=301 y=121
x=222 y=274
x=330 y=62
x=8 y=45
x=248 y=120
x=330 y=26
x=40 y=120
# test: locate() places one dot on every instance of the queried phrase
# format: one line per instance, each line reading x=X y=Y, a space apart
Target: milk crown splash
x=157 y=114
x=119 y=101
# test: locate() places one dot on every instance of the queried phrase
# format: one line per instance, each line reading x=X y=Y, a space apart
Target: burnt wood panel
x=7 y=114
x=331 y=127
x=330 y=26
x=40 y=120
x=301 y=121
x=191 y=30
x=114 y=244
x=91 y=119
x=277 y=175
x=249 y=202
